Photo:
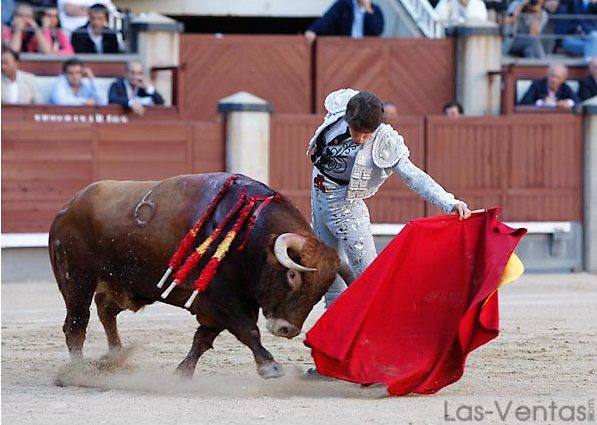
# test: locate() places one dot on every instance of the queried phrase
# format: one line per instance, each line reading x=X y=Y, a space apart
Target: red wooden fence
x=416 y=74
x=45 y=163
x=531 y=165
x=275 y=68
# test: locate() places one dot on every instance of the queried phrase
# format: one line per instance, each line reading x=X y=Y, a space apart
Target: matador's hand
x=462 y=209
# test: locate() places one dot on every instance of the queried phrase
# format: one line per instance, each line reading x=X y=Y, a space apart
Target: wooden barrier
x=416 y=74
x=44 y=163
x=531 y=165
x=275 y=68
x=102 y=65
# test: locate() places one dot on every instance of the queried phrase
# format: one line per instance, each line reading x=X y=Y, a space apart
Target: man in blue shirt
x=75 y=86
x=356 y=18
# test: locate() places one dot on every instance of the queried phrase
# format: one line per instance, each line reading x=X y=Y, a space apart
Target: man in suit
x=356 y=18
x=95 y=36
x=551 y=92
x=132 y=92
x=587 y=87
x=18 y=87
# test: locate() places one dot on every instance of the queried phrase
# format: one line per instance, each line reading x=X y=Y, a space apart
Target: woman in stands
x=58 y=41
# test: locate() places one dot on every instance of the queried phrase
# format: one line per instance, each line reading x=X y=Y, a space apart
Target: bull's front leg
x=267 y=367
x=203 y=340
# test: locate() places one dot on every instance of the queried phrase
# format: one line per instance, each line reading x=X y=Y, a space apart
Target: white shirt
x=358 y=20
x=453 y=12
x=12 y=90
x=132 y=95
x=96 y=39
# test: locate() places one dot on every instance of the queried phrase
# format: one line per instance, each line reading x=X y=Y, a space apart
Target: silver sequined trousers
x=343 y=225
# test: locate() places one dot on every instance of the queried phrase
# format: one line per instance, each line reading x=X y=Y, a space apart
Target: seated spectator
x=458 y=11
x=56 y=38
x=495 y=9
x=356 y=18
x=390 y=111
x=75 y=86
x=584 y=30
x=75 y=13
x=18 y=87
x=133 y=92
x=552 y=91
x=587 y=87
x=453 y=109
x=551 y=7
x=24 y=30
x=95 y=36
x=525 y=22
x=8 y=8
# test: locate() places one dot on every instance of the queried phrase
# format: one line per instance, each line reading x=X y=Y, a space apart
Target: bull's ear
x=294 y=278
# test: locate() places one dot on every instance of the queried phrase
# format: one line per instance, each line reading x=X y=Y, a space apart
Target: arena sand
x=544 y=363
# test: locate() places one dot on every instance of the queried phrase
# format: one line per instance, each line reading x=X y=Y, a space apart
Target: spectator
x=56 y=38
x=495 y=9
x=458 y=11
x=390 y=111
x=356 y=18
x=133 y=92
x=95 y=36
x=551 y=7
x=8 y=8
x=18 y=87
x=75 y=13
x=24 y=30
x=551 y=92
x=453 y=109
x=75 y=86
x=581 y=32
x=525 y=22
x=587 y=87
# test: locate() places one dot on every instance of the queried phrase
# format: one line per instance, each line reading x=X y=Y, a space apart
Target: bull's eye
x=294 y=279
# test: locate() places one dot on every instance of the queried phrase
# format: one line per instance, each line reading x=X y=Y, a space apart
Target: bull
x=112 y=241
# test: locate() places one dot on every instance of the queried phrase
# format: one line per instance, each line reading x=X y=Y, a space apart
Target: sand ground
x=545 y=360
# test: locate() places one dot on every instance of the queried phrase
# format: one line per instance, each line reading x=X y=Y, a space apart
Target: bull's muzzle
x=282 y=327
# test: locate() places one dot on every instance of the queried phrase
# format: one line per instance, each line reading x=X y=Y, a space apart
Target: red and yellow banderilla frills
x=245 y=205
x=189 y=239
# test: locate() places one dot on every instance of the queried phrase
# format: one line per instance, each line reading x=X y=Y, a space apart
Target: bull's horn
x=294 y=241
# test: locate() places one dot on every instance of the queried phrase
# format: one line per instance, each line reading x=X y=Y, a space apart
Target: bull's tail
x=58 y=259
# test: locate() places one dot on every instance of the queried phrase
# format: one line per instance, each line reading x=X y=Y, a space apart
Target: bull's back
x=147 y=219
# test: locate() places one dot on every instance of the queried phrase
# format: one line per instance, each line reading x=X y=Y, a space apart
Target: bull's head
x=300 y=269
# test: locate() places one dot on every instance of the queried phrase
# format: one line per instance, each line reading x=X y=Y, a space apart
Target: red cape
x=410 y=320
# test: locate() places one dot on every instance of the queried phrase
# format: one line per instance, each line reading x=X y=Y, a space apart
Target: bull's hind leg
x=203 y=340
x=77 y=297
x=107 y=310
x=77 y=289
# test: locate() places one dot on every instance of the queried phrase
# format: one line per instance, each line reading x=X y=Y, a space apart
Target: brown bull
x=114 y=240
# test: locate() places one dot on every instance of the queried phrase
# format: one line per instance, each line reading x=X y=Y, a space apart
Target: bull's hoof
x=270 y=370
x=185 y=372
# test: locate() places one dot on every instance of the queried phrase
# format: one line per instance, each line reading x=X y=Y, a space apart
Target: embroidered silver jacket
x=385 y=152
